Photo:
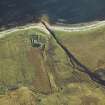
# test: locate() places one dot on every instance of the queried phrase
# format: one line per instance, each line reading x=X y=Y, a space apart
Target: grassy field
x=87 y=46
x=20 y=63
x=44 y=76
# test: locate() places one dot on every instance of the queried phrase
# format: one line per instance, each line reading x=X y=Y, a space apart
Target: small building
x=35 y=41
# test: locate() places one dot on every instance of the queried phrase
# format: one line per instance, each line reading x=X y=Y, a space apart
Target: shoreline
x=2 y=28
x=65 y=28
x=79 y=27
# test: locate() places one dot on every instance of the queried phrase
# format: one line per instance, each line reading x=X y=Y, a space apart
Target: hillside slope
x=35 y=70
